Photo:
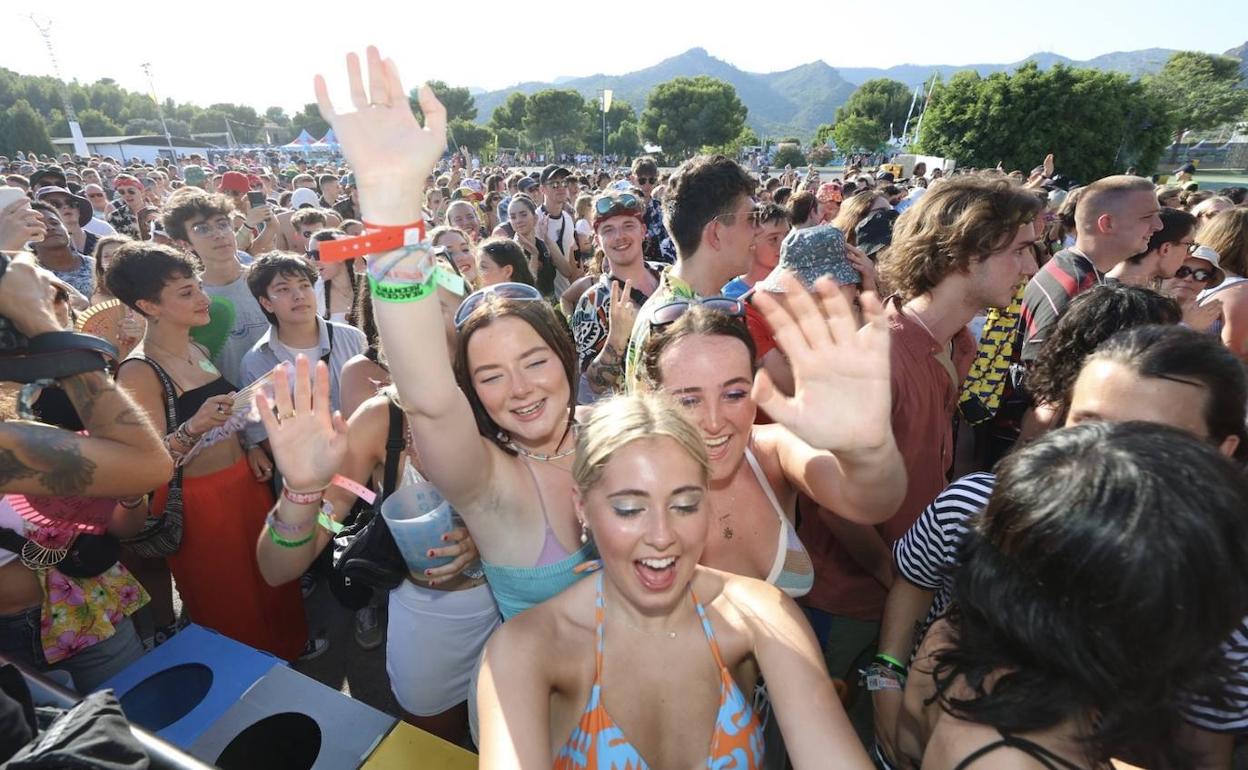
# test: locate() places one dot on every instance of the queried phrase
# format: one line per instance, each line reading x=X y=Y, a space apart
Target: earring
x=584 y=533
x=503 y=437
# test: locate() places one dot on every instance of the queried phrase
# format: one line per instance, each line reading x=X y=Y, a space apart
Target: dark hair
x=1237 y=195
x=362 y=318
x=697 y=320
x=702 y=189
x=1092 y=317
x=800 y=206
x=955 y=223
x=189 y=203
x=645 y=164
x=269 y=267
x=1097 y=583
x=1185 y=355
x=505 y=252
x=1176 y=225
x=781 y=195
x=140 y=270
x=548 y=325
x=770 y=212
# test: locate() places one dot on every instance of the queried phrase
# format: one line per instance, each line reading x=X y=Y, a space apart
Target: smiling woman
x=641 y=476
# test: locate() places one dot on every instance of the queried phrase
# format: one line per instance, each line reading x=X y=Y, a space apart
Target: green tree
x=788 y=155
x=883 y=101
x=1096 y=123
x=459 y=103
x=277 y=116
x=684 y=114
x=823 y=134
x=857 y=133
x=620 y=111
x=475 y=137
x=21 y=129
x=507 y=137
x=510 y=114
x=747 y=138
x=555 y=116
x=309 y=120
x=624 y=141
x=1199 y=91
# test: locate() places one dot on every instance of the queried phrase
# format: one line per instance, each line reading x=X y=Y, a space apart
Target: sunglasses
x=1198 y=274
x=644 y=180
x=208 y=228
x=517 y=291
x=672 y=311
x=608 y=203
x=556 y=184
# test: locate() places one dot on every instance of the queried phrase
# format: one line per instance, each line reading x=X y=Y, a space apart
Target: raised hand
x=20 y=224
x=308 y=442
x=390 y=152
x=842 y=397
x=622 y=315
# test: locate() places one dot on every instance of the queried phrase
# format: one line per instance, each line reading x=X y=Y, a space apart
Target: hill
x=796 y=101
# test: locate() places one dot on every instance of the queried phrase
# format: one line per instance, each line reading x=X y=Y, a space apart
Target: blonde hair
x=620 y=421
x=582 y=206
x=1227 y=234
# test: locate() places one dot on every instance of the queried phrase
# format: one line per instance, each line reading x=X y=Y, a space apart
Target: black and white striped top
x=928 y=553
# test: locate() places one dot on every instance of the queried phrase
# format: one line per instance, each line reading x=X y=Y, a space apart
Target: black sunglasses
x=647 y=179
x=672 y=311
x=1198 y=274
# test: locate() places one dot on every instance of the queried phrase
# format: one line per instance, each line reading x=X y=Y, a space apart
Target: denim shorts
x=21 y=642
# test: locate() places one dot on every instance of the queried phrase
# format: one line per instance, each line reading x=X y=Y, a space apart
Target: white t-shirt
x=10 y=519
x=99 y=227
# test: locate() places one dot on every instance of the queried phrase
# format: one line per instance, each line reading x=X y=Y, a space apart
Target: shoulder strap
x=394 y=446
x=329 y=327
x=11 y=541
x=171 y=409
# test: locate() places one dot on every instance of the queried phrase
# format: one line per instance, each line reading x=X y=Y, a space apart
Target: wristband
x=284 y=543
x=375 y=240
x=357 y=489
x=303 y=498
x=890 y=663
x=391 y=292
x=876 y=677
x=324 y=518
x=277 y=525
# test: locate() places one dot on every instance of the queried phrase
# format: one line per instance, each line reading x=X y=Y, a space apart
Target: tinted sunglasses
x=608 y=203
x=647 y=179
x=1199 y=274
x=509 y=290
x=672 y=311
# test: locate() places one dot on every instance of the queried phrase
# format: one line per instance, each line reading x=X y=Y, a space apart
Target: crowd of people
x=750 y=470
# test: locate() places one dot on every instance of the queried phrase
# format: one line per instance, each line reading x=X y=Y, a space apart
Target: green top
x=670 y=288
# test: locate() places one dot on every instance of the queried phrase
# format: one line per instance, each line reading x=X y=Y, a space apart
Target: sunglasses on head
x=1197 y=274
x=509 y=290
x=672 y=311
x=608 y=203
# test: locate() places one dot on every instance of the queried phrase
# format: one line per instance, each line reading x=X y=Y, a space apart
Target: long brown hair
x=549 y=326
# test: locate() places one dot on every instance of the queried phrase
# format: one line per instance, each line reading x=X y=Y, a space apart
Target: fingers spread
x=323 y=102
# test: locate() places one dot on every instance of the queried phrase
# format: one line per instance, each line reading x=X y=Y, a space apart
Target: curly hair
x=954 y=224
x=1097 y=583
x=1092 y=317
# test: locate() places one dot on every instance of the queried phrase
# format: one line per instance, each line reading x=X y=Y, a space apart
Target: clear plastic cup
x=418 y=517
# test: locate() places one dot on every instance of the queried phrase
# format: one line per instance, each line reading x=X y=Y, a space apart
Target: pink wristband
x=355 y=488
x=303 y=498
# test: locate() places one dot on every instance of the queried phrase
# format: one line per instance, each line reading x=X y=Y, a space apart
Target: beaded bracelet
x=131 y=503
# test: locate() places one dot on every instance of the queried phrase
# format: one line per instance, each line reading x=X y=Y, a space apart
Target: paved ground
x=345 y=666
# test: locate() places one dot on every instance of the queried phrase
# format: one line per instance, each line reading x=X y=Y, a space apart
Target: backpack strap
x=171 y=409
x=394 y=447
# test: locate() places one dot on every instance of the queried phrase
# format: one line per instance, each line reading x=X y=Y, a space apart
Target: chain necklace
x=545 y=458
x=204 y=363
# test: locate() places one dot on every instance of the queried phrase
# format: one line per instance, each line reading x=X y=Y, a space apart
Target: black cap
x=52 y=176
x=526 y=184
x=875 y=233
x=553 y=171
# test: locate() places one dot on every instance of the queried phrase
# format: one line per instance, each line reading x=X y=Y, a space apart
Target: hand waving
x=389 y=150
x=842 y=397
x=308 y=442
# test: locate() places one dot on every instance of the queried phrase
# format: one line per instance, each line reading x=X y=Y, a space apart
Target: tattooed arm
x=606 y=371
x=121 y=456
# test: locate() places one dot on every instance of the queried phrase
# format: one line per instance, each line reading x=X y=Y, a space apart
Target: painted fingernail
x=430 y=554
x=445 y=538
x=428 y=572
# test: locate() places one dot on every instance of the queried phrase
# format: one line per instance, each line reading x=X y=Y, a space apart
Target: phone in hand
x=10 y=195
x=256 y=198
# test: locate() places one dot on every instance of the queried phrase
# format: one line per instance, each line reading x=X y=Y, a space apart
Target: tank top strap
x=765 y=484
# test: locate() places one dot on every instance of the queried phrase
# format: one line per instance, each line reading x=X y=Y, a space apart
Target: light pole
x=147 y=70
x=71 y=117
x=606 y=105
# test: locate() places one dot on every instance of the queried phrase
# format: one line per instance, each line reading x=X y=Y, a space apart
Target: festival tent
x=327 y=142
x=302 y=142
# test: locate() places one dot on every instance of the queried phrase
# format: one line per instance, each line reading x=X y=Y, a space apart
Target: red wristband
x=303 y=498
x=376 y=239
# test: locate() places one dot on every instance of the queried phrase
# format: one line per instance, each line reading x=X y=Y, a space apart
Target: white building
x=145 y=148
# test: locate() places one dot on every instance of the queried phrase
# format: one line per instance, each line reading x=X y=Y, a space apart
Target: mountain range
x=797 y=100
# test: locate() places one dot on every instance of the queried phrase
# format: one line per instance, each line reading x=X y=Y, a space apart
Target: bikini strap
x=541 y=498
x=766 y=485
x=1049 y=759
x=706 y=629
x=600 y=614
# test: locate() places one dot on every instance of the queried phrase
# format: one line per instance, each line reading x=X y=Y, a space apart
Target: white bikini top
x=791 y=569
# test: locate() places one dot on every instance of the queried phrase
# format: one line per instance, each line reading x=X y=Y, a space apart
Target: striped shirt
x=928 y=553
x=1049 y=293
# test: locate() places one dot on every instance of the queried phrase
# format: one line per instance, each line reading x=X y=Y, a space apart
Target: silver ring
x=220 y=408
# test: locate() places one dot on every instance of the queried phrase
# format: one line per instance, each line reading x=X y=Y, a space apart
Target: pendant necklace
x=545 y=458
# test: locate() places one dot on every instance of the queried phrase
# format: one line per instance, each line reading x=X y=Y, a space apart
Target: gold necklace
x=203 y=363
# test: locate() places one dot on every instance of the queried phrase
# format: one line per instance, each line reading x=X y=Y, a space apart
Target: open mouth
x=529 y=412
x=656 y=574
x=716 y=448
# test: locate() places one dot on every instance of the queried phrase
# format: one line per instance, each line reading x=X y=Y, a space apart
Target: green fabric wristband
x=390 y=292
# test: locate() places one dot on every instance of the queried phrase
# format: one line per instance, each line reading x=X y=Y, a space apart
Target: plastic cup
x=418 y=517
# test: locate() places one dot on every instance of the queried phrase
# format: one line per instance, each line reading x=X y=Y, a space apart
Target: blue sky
x=218 y=55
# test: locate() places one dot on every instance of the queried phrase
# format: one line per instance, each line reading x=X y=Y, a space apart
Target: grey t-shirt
x=248 y=325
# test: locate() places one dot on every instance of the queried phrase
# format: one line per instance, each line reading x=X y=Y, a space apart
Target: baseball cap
x=553 y=171
x=526 y=184
x=52 y=176
x=1213 y=258
x=304 y=197
x=234 y=181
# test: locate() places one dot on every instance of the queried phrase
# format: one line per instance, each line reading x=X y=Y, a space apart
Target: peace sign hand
x=842 y=397
x=623 y=315
x=389 y=150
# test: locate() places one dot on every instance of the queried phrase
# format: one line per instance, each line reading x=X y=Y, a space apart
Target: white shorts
x=434 y=639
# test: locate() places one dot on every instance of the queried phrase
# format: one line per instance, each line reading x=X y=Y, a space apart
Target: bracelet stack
x=884 y=673
x=288 y=535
